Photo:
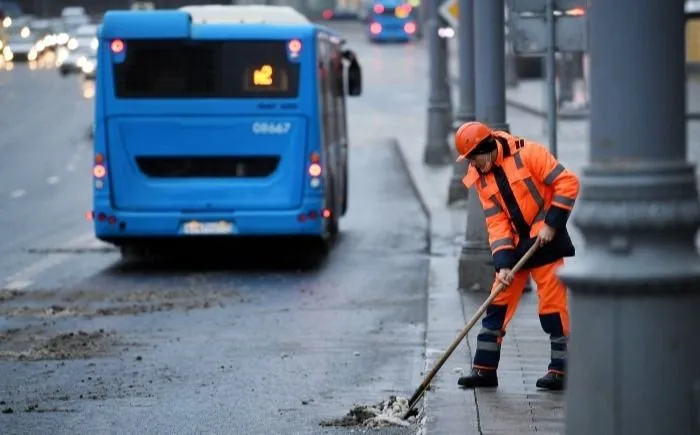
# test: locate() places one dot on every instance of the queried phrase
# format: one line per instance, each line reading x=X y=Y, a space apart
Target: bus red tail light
x=117 y=46
x=315 y=170
x=375 y=28
x=378 y=9
x=99 y=171
x=409 y=28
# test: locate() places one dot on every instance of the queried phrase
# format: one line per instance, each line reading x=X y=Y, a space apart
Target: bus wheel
x=333 y=226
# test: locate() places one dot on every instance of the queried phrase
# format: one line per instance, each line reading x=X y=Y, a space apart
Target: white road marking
x=53 y=179
x=17 y=193
x=26 y=276
x=70 y=167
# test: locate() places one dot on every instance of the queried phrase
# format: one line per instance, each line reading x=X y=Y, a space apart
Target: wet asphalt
x=90 y=344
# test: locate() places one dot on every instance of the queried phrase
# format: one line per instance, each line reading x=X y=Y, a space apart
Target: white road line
x=26 y=276
x=17 y=193
x=53 y=179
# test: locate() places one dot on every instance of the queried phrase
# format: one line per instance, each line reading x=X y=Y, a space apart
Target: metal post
x=475 y=262
x=551 y=67
x=437 y=149
x=636 y=287
x=465 y=109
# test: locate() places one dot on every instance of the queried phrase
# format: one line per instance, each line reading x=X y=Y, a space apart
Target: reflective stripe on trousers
x=554 y=317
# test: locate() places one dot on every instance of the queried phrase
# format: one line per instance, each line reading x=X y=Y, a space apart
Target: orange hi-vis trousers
x=553 y=311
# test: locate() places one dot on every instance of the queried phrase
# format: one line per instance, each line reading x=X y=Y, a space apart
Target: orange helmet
x=469 y=136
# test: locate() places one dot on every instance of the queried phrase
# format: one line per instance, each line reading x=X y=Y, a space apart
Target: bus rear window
x=206 y=69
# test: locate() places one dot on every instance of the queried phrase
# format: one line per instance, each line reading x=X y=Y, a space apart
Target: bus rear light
x=294 y=46
x=378 y=9
x=99 y=159
x=301 y=217
x=315 y=158
x=409 y=28
x=315 y=170
x=375 y=28
x=101 y=217
x=99 y=171
x=326 y=213
x=313 y=214
x=117 y=46
x=89 y=216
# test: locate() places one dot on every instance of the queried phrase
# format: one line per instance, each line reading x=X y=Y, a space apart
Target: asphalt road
x=91 y=345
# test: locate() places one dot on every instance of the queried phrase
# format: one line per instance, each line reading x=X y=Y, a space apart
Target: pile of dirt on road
x=29 y=344
x=387 y=413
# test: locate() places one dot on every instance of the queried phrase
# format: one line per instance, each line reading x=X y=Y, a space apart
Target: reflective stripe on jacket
x=534 y=189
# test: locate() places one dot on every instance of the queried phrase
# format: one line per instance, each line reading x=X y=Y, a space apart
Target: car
x=21 y=45
x=89 y=67
x=45 y=32
x=82 y=46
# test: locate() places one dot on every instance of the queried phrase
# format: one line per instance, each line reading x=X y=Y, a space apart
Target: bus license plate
x=208 y=228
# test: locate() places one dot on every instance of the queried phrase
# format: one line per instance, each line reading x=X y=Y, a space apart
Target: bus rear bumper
x=113 y=225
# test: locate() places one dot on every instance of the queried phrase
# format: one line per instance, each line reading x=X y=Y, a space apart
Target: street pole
x=466 y=109
x=475 y=262
x=551 y=67
x=437 y=149
x=635 y=359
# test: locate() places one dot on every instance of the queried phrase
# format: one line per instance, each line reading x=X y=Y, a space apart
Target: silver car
x=21 y=46
x=82 y=46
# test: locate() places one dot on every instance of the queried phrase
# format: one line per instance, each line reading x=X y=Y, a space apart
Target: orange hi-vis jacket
x=526 y=188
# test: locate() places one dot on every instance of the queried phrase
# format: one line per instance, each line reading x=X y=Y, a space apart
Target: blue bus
x=391 y=20
x=225 y=121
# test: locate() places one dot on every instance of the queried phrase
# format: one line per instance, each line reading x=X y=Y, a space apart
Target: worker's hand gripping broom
x=470 y=324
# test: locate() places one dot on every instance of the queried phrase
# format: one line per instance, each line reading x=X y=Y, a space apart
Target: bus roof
x=245 y=14
x=178 y=23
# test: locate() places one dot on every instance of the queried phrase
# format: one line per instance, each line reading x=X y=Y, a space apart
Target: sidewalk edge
x=417 y=191
x=445 y=408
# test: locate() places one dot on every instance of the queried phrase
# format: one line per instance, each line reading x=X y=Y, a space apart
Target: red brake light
x=99 y=171
x=409 y=28
x=294 y=46
x=315 y=170
x=378 y=9
x=117 y=46
x=375 y=28
x=315 y=158
x=327 y=14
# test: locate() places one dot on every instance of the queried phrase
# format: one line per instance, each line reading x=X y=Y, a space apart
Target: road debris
x=387 y=413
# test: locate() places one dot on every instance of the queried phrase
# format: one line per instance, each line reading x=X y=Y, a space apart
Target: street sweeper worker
x=527 y=197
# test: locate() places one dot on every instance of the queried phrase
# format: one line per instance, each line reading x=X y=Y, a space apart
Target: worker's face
x=482 y=162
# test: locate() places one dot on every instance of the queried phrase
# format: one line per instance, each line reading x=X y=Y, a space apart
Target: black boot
x=552 y=381
x=479 y=378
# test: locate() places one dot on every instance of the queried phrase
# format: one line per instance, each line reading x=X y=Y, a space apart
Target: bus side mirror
x=354 y=74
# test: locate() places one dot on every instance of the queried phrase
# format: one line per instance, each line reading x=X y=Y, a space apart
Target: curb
x=445 y=408
x=417 y=192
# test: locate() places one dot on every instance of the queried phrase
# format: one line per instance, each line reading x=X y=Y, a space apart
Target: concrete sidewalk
x=516 y=406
